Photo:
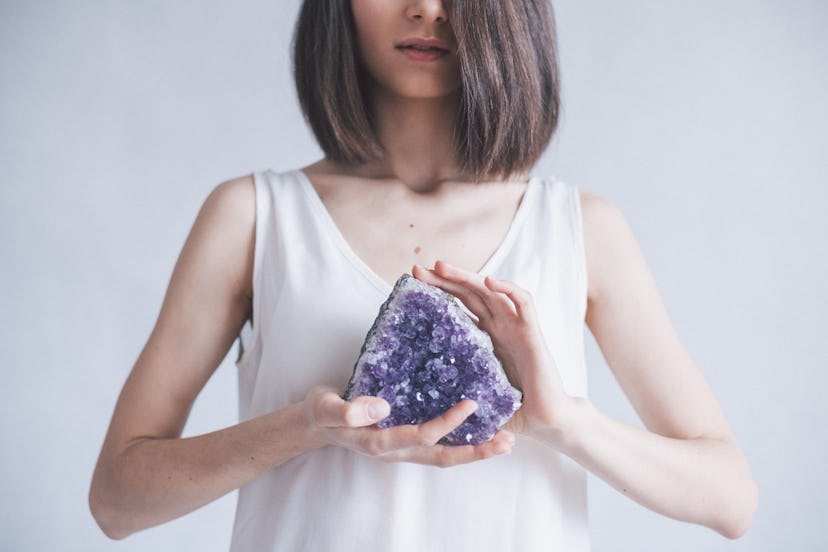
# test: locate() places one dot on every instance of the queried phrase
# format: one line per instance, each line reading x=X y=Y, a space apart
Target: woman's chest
x=390 y=235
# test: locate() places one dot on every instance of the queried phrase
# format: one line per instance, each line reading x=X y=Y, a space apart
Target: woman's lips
x=422 y=55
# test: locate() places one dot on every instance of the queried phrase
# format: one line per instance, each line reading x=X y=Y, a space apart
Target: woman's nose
x=430 y=10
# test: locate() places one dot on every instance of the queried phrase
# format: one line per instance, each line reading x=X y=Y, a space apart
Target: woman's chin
x=423 y=90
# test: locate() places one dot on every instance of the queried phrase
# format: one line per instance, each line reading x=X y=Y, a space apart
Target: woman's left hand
x=506 y=312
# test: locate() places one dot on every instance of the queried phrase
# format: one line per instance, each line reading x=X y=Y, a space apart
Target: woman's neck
x=417 y=134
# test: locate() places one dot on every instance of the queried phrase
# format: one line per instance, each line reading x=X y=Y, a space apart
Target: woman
x=431 y=115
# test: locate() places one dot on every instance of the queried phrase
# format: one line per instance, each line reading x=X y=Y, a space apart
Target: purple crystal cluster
x=423 y=355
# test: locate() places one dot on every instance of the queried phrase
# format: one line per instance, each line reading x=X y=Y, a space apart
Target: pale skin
x=684 y=462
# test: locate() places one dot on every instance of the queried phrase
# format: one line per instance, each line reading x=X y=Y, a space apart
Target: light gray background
x=703 y=121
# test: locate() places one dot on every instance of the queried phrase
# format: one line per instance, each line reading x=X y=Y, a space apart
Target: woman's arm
x=686 y=464
x=146 y=474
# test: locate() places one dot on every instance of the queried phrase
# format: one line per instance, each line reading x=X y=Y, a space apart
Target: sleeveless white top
x=314 y=301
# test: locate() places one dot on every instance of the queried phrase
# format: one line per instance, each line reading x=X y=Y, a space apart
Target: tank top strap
x=547 y=259
x=550 y=241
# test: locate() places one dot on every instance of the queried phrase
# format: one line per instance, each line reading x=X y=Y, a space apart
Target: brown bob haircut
x=510 y=97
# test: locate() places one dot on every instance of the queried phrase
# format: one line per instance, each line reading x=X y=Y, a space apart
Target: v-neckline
x=369 y=273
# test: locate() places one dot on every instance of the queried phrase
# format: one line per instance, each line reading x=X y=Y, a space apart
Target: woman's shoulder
x=595 y=210
x=601 y=218
x=232 y=202
x=236 y=188
x=607 y=235
x=227 y=219
x=593 y=203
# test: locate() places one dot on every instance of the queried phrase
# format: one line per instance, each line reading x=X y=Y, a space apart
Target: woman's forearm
x=155 y=480
x=705 y=481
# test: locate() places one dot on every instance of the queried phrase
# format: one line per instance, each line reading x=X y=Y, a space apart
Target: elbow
x=740 y=513
x=105 y=514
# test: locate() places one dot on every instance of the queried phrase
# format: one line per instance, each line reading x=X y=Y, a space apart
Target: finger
x=412 y=435
x=331 y=410
x=521 y=298
x=501 y=443
x=446 y=456
x=494 y=301
x=472 y=300
x=437 y=428
x=406 y=443
x=448 y=270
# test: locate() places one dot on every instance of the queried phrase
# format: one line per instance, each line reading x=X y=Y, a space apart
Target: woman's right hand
x=350 y=424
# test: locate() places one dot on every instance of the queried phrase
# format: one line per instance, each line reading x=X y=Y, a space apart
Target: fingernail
x=378 y=411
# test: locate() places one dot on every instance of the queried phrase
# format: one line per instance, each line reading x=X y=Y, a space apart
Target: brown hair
x=510 y=98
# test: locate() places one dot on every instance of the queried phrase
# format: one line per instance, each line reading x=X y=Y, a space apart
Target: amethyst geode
x=423 y=355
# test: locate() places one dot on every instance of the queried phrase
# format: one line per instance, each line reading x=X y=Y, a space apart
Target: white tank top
x=314 y=301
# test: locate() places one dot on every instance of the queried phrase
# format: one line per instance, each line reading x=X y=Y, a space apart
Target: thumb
x=331 y=410
x=366 y=410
